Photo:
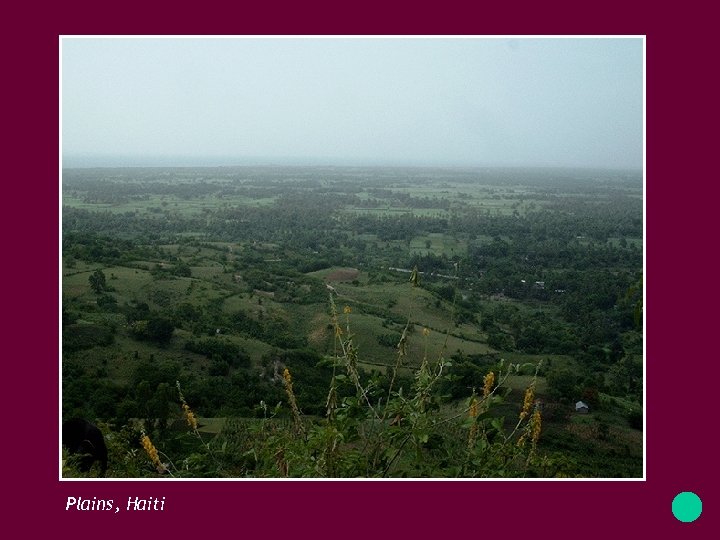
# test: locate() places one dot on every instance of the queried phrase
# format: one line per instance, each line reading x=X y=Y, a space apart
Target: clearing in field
x=343 y=274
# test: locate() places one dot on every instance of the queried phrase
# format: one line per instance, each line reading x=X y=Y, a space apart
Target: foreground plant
x=379 y=430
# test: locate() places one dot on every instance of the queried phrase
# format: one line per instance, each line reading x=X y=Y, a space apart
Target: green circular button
x=686 y=506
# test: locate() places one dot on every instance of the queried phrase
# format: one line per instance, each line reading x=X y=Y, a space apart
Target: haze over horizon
x=465 y=102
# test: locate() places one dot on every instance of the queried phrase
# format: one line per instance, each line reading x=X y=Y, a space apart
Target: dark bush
x=77 y=337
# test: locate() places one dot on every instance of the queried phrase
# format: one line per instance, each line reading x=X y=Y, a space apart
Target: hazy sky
x=441 y=101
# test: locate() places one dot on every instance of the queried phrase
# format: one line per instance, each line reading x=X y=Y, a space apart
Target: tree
x=562 y=383
x=157 y=328
x=160 y=329
x=97 y=281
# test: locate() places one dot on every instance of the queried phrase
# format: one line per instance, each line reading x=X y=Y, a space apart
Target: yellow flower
x=189 y=416
x=426 y=332
x=292 y=401
x=488 y=381
x=474 y=409
x=536 y=425
x=415 y=277
x=152 y=452
x=528 y=401
x=347 y=310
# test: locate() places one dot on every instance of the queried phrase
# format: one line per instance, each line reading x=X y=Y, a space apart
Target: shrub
x=81 y=336
x=635 y=419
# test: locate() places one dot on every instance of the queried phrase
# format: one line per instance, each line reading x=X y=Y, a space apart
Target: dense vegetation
x=222 y=278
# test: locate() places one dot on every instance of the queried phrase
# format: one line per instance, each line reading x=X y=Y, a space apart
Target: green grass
x=521 y=382
x=159 y=204
x=209 y=281
x=394 y=211
x=439 y=244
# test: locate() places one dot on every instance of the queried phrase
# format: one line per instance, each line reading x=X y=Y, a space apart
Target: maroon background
x=680 y=304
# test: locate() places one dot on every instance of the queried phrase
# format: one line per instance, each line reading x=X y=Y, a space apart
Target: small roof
x=580 y=405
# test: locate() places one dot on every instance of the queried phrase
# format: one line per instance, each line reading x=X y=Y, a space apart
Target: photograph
x=351 y=257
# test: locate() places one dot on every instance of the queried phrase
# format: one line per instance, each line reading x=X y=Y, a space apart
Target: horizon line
x=100 y=161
